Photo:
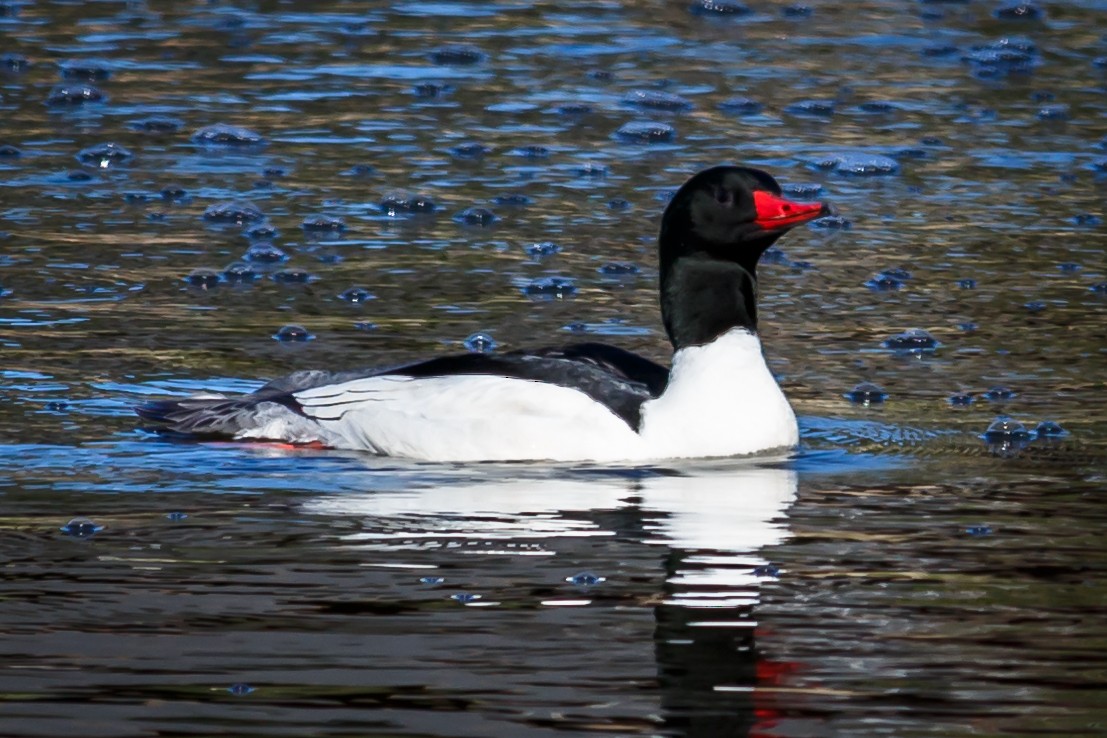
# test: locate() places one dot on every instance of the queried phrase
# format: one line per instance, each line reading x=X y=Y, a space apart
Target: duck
x=588 y=402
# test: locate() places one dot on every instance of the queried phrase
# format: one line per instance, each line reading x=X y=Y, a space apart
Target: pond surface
x=396 y=177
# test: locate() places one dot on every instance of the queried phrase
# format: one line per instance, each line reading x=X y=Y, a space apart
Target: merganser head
x=713 y=232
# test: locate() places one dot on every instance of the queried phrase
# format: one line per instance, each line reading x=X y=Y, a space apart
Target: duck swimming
x=582 y=402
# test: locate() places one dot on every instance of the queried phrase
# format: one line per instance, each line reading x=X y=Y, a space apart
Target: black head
x=713 y=232
x=731 y=213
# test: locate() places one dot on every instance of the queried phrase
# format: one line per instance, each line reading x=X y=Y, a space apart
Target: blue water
x=905 y=573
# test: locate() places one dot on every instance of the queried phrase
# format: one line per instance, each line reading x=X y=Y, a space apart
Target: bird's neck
x=708 y=290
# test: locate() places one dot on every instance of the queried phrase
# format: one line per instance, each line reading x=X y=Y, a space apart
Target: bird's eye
x=724 y=196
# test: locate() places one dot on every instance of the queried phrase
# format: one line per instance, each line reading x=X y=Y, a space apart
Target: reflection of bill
x=709 y=522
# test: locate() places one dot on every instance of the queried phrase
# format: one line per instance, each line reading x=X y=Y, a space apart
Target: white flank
x=721 y=400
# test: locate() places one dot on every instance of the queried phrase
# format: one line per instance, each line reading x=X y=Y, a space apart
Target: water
x=906 y=574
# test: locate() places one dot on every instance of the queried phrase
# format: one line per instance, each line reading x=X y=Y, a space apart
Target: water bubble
x=961 y=399
x=1000 y=394
x=14 y=62
x=542 y=249
x=1035 y=306
x=939 y=50
x=1053 y=112
x=585 y=579
x=81 y=528
x=432 y=89
x=103 y=156
x=222 y=135
x=239 y=273
x=322 y=224
x=590 y=169
x=967 y=327
x=802 y=190
x=884 y=282
x=7 y=151
x=261 y=231
x=361 y=171
x=476 y=216
x=479 y=343
x=618 y=204
x=832 y=223
x=550 y=288
x=465 y=597
x=398 y=204
x=56 y=406
x=574 y=109
x=645 y=132
x=1049 y=429
x=431 y=580
x=77 y=175
x=156 y=124
x=1100 y=287
x=292 y=276
x=457 y=55
x=240 y=689
x=264 y=252
x=728 y=8
x=173 y=193
x=770 y=571
x=741 y=106
x=866 y=393
x=657 y=100
x=978 y=530
x=203 y=278
x=1005 y=429
x=618 y=268
x=74 y=94
x=914 y=340
x=774 y=255
x=175 y=516
x=356 y=295
x=1020 y=11
x=233 y=212
x=469 y=150
x=1086 y=219
x=531 y=151
x=512 y=199
x=292 y=333
x=878 y=107
x=797 y=11
x=84 y=71
x=967 y=284
x=862 y=165
x=811 y=108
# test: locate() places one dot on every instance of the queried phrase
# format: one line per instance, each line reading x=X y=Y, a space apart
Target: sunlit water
x=906 y=574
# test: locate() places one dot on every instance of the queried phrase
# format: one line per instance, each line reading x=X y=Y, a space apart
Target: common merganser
x=583 y=402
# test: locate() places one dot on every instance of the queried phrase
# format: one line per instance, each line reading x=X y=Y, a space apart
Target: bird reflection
x=708 y=523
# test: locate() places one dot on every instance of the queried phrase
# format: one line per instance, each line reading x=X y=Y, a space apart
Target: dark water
x=899 y=577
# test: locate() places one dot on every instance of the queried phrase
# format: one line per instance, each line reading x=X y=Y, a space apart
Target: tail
x=207 y=417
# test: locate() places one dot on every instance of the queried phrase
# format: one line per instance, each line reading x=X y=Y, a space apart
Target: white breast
x=721 y=400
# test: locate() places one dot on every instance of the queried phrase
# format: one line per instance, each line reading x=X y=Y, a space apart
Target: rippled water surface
x=182 y=182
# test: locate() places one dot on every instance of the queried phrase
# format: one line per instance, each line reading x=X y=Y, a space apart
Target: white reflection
x=717 y=518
